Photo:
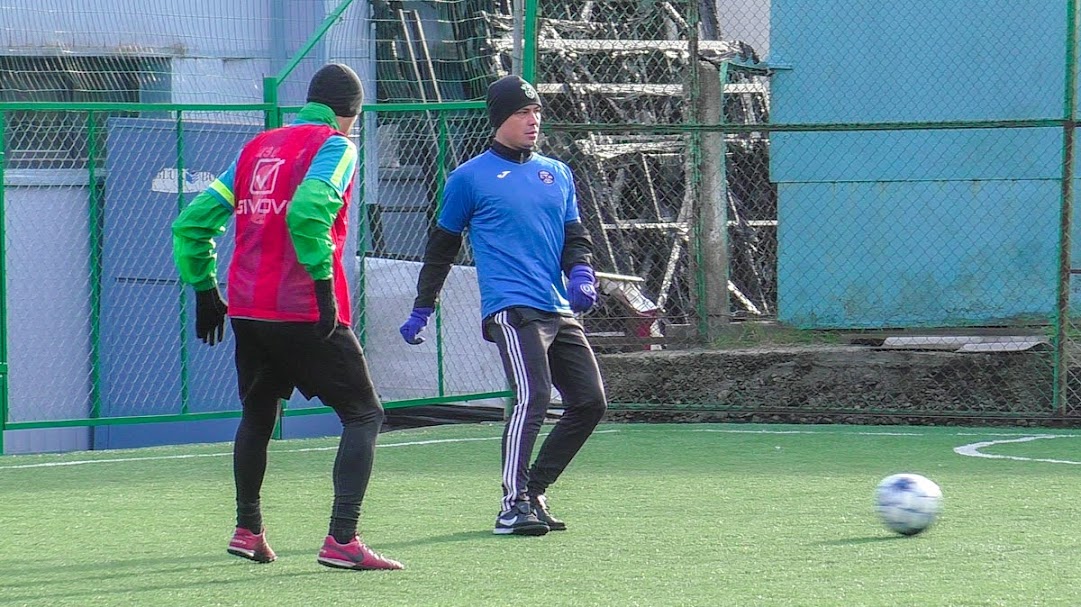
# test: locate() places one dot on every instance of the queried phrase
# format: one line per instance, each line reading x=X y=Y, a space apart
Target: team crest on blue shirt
x=546 y=177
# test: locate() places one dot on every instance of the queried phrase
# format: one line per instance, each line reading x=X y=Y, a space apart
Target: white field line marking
x=809 y=432
x=969 y=450
x=880 y=433
x=973 y=449
x=148 y=458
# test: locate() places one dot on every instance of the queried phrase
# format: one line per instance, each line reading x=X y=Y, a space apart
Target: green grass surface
x=657 y=514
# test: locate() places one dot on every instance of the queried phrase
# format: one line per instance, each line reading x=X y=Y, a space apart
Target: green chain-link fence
x=899 y=176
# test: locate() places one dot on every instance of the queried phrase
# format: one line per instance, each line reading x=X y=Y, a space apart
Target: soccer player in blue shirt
x=520 y=212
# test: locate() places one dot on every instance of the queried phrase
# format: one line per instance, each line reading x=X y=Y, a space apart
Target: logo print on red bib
x=265 y=175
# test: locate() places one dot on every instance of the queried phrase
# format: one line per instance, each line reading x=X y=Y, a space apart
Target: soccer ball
x=907 y=503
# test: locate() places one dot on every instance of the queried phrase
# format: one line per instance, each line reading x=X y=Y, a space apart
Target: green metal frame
x=187 y=417
x=362 y=234
x=676 y=129
x=1069 y=130
x=185 y=380
x=120 y=106
x=441 y=168
x=529 y=42
x=94 y=111
x=96 y=243
x=273 y=113
x=3 y=284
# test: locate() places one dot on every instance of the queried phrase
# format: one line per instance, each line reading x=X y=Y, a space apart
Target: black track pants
x=541 y=350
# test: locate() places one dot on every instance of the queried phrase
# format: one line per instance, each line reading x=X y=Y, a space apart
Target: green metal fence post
x=529 y=42
x=272 y=119
x=1069 y=126
x=361 y=202
x=3 y=291
x=441 y=180
x=185 y=388
x=314 y=39
x=96 y=241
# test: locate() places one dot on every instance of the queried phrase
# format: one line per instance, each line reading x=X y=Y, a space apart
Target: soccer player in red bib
x=289 y=192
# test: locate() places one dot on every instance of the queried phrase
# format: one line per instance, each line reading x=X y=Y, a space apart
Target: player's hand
x=328 y=309
x=582 y=288
x=411 y=328
x=210 y=316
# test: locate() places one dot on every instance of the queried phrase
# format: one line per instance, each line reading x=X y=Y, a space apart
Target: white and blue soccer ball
x=908 y=503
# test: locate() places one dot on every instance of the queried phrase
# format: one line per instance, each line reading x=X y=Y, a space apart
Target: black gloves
x=209 y=316
x=210 y=313
x=328 y=309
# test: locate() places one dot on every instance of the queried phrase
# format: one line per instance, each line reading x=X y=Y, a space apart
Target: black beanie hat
x=508 y=95
x=337 y=86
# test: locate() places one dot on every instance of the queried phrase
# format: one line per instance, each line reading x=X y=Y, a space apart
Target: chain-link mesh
x=126 y=50
x=643 y=191
x=97 y=325
x=884 y=233
x=845 y=173
x=435 y=51
x=416 y=152
x=48 y=253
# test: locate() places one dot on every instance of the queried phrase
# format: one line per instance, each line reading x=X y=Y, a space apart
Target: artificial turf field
x=695 y=514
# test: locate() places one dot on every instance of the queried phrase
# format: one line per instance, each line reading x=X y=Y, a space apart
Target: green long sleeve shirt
x=310 y=215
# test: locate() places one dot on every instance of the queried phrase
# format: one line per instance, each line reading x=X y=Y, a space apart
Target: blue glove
x=418 y=319
x=582 y=288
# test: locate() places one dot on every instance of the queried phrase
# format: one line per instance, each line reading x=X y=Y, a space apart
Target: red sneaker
x=251 y=546
x=354 y=555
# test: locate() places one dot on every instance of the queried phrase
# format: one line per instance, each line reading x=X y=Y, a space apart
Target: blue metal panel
x=212 y=375
x=919 y=60
x=309 y=426
x=924 y=228
x=917 y=254
x=172 y=433
x=46 y=440
x=136 y=218
x=141 y=334
x=140 y=348
x=919 y=155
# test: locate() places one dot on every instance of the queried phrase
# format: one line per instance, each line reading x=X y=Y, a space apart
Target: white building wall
x=48 y=306
x=191 y=28
x=746 y=20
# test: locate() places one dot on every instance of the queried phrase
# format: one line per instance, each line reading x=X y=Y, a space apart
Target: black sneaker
x=540 y=510
x=519 y=520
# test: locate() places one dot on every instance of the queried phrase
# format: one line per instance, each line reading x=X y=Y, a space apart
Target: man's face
x=521 y=129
